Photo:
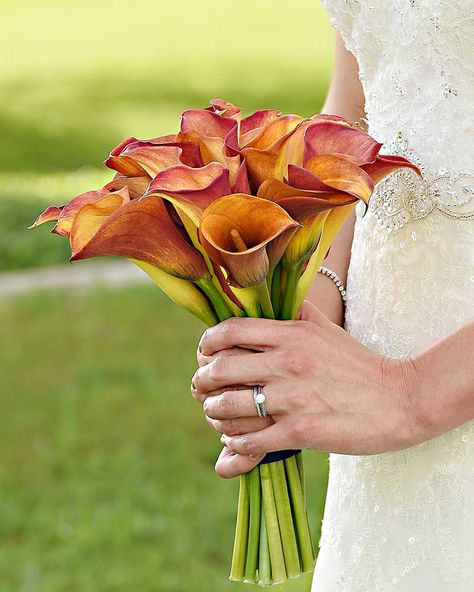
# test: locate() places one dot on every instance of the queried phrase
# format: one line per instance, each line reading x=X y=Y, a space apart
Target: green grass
x=79 y=77
x=106 y=479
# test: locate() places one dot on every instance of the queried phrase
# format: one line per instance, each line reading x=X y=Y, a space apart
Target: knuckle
x=298 y=363
x=299 y=399
x=300 y=433
x=248 y=445
x=217 y=368
x=229 y=326
x=228 y=426
x=226 y=402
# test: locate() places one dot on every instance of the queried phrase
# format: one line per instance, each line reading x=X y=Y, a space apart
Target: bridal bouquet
x=232 y=216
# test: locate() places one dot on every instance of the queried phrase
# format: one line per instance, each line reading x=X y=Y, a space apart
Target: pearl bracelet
x=337 y=280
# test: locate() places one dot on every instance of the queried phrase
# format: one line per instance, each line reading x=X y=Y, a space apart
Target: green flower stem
x=264 y=565
x=300 y=466
x=264 y=300
x=285 y=519
x=287 y=307
x=277 y=558
x=251 y=304
x=220 y=306
x=239 y=555
x=276 y=290
x=254 y=525
x=299 y=513
x=192 y=231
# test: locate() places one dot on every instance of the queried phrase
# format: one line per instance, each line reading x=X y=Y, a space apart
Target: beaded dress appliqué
x=404 y=521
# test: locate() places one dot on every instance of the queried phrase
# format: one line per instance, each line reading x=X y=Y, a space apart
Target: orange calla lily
x=136 y=186
x=91 y=217
x=135 y=158
x=246 y=235
x=338 y=172
x=65 y=214
x=310 y=208
x=384 y=165
x=140 y=229
x=216 y=136
x=264 y=155
x=191 y=190
x=50 y=214
x=324 y=137
x=252 y=126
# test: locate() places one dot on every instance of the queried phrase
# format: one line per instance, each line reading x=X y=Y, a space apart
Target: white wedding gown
x=404 y=521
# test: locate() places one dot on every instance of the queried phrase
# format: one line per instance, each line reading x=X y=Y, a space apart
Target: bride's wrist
x=404 y=380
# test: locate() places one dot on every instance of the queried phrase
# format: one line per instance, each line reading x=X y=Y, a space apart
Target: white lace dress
x=404 y=521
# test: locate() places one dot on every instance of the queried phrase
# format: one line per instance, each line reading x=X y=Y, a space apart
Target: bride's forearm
x=324 y=293
x=444 y=387
x=345 y=98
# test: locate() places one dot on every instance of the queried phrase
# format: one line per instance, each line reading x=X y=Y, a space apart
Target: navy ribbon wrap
x=278 y=455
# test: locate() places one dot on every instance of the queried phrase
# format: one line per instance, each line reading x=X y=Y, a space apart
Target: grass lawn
x=106 y=478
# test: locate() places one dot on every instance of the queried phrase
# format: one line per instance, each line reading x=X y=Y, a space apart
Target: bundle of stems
x=273 y=539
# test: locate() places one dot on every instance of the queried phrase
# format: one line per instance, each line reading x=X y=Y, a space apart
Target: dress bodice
x=416 y=64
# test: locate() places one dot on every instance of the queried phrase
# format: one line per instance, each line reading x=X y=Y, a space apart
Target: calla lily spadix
x=233 y=216
x=246 y=235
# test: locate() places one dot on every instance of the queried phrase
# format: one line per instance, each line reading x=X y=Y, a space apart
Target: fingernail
x=224 y=439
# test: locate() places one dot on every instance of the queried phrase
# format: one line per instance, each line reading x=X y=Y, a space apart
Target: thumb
x=309 y=312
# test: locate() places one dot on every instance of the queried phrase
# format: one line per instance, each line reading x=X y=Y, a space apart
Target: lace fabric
x=403 y=521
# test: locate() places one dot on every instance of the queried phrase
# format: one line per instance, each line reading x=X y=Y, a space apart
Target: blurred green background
x=106 y=480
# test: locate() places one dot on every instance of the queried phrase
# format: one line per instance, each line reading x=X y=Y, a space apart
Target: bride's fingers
x=201 y=397
x=230 y=465
x=259 y=334
x=242 y=425
x=240 y=403
x=258 y=368
x=276 y=437
x=233 y=351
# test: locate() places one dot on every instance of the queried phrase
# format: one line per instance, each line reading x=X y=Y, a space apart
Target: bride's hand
x=324 y=390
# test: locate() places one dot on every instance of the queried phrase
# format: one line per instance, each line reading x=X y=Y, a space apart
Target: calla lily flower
x=216 y=136
x=135 y=158
x=140 y=229
x=64 y=215
x=144 y=230
x=50 y=214
x=136 y=186
x=310 y=208
x=93 y=215
x=384 y=165
x=246 y=236
x=264 y=155
x=182 y=292
x=330 y=137
x=191 y=190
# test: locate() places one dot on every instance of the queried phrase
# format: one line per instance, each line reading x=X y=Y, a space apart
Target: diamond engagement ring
x=259 y=398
